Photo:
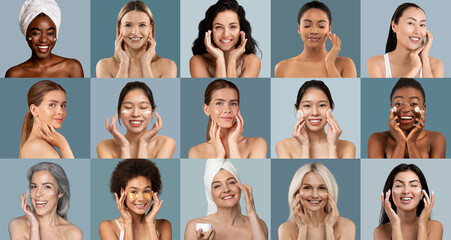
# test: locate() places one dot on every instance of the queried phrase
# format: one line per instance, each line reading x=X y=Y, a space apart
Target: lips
x=59 y=120
x=41 y=204
x=140 y=206
x=314 y=39
x=405 y=119
x=228 y=197
x=43 y=49
x=227 y=118
x=135 y=123
x=314 y=202
x=406 y=200
x=314 y=122
x=414 y=39
x=135 y=39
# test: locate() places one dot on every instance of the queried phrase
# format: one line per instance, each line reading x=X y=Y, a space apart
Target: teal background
x=104 y=205
x=73 y=36
x=287 y=43
x=375 y=23
x=346 y=173
x=374 y=174
x=376 y=106
x=166 y=15
x=254 y=107
x=13 y=174
x=255 y=172
x=105 y=95
x=345 y=93
x=13 y=93
x=257 y=14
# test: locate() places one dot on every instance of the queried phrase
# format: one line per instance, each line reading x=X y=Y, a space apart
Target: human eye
x=52 y=105
x=35 y=33
x=306 y=105
x=142 y=25
x=322 y=188
x=323 y=105
x=307 y=187
x=218 y=27
x=48 y=187
x=32 y=186
x=219 y=103
x=127 y=25
x=63 y=106
x=51 y=34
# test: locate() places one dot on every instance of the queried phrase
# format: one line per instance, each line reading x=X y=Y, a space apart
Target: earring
x=29 y=38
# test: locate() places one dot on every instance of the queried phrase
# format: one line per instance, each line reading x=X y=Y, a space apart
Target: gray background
x=346 y=173
x=255 y=172
x=104 y=205
x=13 y=93
x=73 y=36
x=374 y=174
x=257 y=13
x=105 y=95
x=15 y=178
x=287 y=43
x=346 y=96
x=375 y=23
x=376 y=106
x=254 y=107
x=166 y=15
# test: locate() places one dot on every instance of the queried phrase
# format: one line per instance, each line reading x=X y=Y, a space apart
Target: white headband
x=32 y=8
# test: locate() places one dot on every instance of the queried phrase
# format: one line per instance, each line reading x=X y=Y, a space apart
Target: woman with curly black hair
x=135 y=183
x=224 y=46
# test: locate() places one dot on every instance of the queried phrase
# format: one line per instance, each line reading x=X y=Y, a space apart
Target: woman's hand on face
x=386 y=204
x=333 y=215
x=301 y=219
x=427 y=46
x=395 y=130
x=123 y=56
x=148 y=50
x=248 y=198
x=299 y=132
x=210 y=235
x=50 y=135
x=236 y=53
x=152 y=214
x=146 y=137
x=214 y=51
x=237 y=129
x=216 y=140
x=427 y=210
x=334 y=131
x=418 y=127
x=415 y=56
x=112 y=128
x=120 y=202
x=336 y=46
x=31 y=217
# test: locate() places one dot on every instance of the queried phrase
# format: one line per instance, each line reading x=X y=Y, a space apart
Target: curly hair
x=131 y=168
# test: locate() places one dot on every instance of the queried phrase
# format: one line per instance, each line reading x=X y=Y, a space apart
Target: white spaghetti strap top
x=121 y=237
x=388 y=70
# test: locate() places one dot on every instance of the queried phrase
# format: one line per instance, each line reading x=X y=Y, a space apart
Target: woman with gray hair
x=50 y=199
x=312 y=198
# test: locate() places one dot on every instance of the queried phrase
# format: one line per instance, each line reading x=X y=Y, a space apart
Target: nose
x=135 y=29
x=313 y=29
x=43 y=38
x=135 y=112
x=406 y=108
x=226 y=108
x=315 y=111
x=59 y=110
x=315 y=192
x=38 y=191
x=225 y=189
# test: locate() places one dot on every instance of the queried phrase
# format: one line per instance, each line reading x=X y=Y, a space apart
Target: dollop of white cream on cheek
x=418 y=190
x=147 y=112
x=395 y=190
x=124 y=111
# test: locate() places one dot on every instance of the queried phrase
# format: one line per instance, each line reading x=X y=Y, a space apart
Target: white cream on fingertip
x=394 y=109
x=299 y=114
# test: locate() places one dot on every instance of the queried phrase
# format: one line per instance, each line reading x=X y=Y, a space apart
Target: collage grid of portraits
x=362 y=105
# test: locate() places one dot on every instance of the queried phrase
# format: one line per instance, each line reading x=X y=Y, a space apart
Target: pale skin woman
x=134 y=48
x=228 y=222
x=226 y=139
x=406 y=137
x=315 y=60
x=136 y=113
x=42 y=222
x=41 y=38
x=414 y=42
x=43 y=139
x=404 y=223
x=133 y=204
x=309 y=139
x=311 y=221
x=222 y=55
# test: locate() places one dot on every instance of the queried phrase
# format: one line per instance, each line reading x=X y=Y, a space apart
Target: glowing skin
x=134 y=111
x=135 y=28
x=407 y=190
x=52 y=110
x=225 y=190
x=314 y=193
x=407 y=101
x=411 y=28
x=41 y=36
x=226 y=30
x=314 y=104
x=223 y=107
x=313 y=27
x=44 y=193
x=139 y=192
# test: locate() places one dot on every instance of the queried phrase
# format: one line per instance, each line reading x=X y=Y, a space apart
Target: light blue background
x=105 y=95
x=13 y=93
x=376 y=107
x=346 y=173
x=255 y=172
x=287 y=43
x=254 y=107
x=257 y=14
x=345 y=93
x=376 y=20
x=14 y=175
x=104 y=205
x=374 y=174
x=166 y=15
x=73 y=36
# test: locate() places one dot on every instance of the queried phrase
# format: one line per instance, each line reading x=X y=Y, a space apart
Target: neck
x=50 y=219
x=135 y=55
x=316 y=217
x=317 y=137
x=35 y=132
x=314 y=54
x=227 y=54
x=408 y=217
x=40 y=62
x=138 y=218
x=228 y=216
x=401 y=54
x=133 y=138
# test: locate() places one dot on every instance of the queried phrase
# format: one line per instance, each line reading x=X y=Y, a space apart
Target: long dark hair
x=318 y=84
x=389 y=185
x=391 y=40
x=207 y=24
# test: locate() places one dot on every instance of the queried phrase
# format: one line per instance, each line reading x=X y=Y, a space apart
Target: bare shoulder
x=256 y=141
x=14 y=72
x=282 y=67
x=376 y=66
x=163 y=223
x=435 y=226
x=288 y=230
x=104 y=67
x=18 y=224
x=38 y=148
x=73 y=231
x=198 y=59
x=377 y=137
x=198 y=150
x=378 y=60
x=251 y=58
x=167 y=67
x=382 y=232
x=344 y=60
x=347 y=148
x=345 y=224
x=162 y=140
x=106 y=148
x=284 y=143
x=435 y=134
x=435 y=62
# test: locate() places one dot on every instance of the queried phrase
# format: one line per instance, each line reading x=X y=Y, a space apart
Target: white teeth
x=406 y=199
x=415 y=39
x=135 y=122
x=228 y=197
x=135 y=39
x=41 y=203
x=226 y=41
x=45 y=47
x=314 y=202
x=139 y=205
x=315 y=121
x=406 y=118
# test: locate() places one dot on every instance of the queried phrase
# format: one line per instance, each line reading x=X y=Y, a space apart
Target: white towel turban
x=32 y=8
x=212 y=167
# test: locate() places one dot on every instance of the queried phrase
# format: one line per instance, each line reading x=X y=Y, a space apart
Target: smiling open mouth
x=41 y=204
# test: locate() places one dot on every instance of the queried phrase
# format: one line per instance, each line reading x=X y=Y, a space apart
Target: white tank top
x=388 y=69
x=121 y=236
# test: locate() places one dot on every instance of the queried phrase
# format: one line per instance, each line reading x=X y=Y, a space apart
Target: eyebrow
x=55 y=101
x=229 y=23
x=414 y=19
x=46 y=183
x=138 y=188
x=220 y=181
x=411 y=181
x=308 y=101
x=308 y=20
x=139 y=103
x=223 y=100
x=414 y=97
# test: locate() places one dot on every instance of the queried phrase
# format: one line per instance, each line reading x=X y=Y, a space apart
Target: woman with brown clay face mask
x=406 y=137
x=135 y=47
x=39 y=21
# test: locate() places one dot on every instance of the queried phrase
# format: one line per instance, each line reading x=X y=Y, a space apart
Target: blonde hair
x=138 y=6
x=323 y=173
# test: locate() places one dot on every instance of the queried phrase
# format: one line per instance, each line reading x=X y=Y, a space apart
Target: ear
x=206 y=110
x=299 y=29
x=34 y=110
x=393 y=26
x=60 y=195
